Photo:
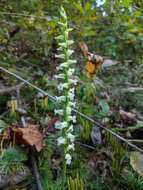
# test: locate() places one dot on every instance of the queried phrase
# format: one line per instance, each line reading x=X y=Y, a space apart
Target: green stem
x=64 y=177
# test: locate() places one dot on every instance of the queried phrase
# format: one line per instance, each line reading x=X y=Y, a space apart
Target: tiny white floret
x=71 y=147
x=71 y=137
x=61 y=141
x=68 y=159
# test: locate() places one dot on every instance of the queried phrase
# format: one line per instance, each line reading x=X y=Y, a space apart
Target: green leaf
x=126 y=3
x=104 y=106
x=3 y=125
x=88 y=7
x=13 y=155
x=78 y=6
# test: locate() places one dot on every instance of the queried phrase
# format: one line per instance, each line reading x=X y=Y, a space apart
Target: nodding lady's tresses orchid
x=66 y=90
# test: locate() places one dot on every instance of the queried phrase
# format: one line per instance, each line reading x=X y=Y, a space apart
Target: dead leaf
x=94 y=61
x=99 y=163
x=8 y=179
x=136 y=161
x=90 y=68
x=84 y=48
x=127 y=114
x=51 y=125
x=31 y=136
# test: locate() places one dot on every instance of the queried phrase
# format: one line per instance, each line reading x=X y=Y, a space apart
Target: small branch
x=35 y=171
x=47 y=18
x=135 y=140
x=133 y=89
x=5 y=113
x=85 y=145
x=127 y=128
x=9 y=89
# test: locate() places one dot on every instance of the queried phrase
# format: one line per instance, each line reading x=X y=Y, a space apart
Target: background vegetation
x=113 y=97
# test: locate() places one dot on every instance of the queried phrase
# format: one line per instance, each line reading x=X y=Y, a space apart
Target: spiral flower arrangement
x=66 y=89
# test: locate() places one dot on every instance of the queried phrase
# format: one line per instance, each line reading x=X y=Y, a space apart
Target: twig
x=133 y=89
x=136 y=140
x=85 y=145
x=25 y=15
x=7 y=90
x=35 y=171
x=3 y=114
x=127 y=128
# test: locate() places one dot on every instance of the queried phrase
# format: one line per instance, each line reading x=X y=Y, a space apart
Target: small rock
x=96 y=136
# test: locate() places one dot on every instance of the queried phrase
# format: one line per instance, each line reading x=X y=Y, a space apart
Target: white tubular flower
x=62 y=66
x=61 y=86
x=59 y=112
x=72 y=81
x=72 y=104
x=66 y=33
x=61 y=99
x=60 y=56
x=61 y=141
x=63 y=44
x=70 y=42
x=70 y=52
x=68 y=159
x=63 y=13
x=69 y=29
x=60 y=49
x=70 y=61
x=70 y=72
x=71 y=147
x=68 y=110
x=71 y=96
x=62 y=24
x=71 y=137
x=58 y=68
x=72 y=118
x=65 y=65
x=70 y=129
x=72 y=90
x=60 y=76
x=61 y=125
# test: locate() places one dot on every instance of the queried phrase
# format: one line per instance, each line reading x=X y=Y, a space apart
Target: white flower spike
x=66 y=89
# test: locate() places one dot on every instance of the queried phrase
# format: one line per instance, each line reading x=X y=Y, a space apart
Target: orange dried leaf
x=90 y=67
x=31 y=136
x=84 y=48
x=94 y=61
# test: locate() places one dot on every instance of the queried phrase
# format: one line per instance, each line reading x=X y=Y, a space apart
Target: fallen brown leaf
x=31 y=136
x=127 y=115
